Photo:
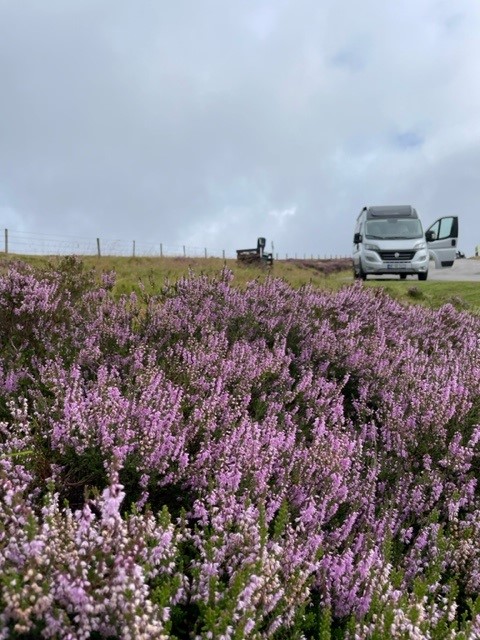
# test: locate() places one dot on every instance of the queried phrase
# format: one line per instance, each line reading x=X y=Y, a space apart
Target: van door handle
x=454 y=242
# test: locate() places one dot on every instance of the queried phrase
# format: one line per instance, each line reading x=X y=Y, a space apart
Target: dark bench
x=255 y=256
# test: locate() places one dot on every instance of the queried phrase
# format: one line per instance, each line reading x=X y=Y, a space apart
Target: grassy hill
x=155 y=272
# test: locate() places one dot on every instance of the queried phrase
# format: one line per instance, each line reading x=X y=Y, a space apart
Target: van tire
x=403 y=276
x=423 y=276
x=359 y=275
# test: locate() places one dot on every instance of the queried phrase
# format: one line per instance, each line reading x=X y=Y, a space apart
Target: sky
x=209 y=123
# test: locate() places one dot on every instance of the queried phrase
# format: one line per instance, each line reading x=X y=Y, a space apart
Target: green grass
x=462 y=295
x=154 y=273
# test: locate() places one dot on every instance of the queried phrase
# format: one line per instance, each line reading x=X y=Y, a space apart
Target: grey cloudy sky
x=211 y=122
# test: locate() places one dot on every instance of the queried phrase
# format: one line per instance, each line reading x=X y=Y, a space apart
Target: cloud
x=282 y=215
x=353 y=57
x=408 y=140
x=11 y=219
x=203 y=122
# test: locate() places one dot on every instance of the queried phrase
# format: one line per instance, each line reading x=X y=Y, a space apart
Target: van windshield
x=393 y=229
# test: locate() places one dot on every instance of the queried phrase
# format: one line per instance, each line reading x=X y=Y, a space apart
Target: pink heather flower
x=112 y=497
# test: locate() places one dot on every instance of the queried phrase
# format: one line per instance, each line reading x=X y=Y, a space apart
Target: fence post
x=6 y=241
x=205 y=252
x=161 y=250
x=98 y=248
x=133 y=251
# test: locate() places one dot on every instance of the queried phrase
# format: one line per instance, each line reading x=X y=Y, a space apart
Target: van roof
x=391 y=211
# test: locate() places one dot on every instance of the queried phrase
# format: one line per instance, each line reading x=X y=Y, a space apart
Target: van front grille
x=393 y=256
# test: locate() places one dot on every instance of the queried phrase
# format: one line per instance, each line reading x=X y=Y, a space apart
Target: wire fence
x=29 y=243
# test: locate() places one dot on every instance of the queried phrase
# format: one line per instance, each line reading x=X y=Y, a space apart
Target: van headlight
x=420 y=245
x=371 y=247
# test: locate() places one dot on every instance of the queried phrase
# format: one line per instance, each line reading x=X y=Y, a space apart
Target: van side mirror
x=429 y=235
x=357 y=238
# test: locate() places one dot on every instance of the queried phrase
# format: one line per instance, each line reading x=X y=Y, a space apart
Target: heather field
x=197 y=459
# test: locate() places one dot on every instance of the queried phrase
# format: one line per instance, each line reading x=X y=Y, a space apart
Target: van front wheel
x=360 y=274
x=423 y=276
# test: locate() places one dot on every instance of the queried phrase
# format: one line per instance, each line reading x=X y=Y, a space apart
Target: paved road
x=463 y=270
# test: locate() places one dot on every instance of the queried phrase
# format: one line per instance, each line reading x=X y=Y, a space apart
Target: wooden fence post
x=98 y=248
x=6 y=241
x=161 y=250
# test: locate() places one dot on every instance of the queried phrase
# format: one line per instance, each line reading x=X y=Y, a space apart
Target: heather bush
x=208 y=462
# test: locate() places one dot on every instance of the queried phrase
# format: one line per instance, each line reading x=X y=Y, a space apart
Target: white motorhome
x=391 y=240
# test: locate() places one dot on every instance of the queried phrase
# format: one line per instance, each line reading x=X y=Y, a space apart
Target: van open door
x=442 y=240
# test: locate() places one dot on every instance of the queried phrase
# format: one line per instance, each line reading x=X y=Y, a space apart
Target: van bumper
x=373 y=264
